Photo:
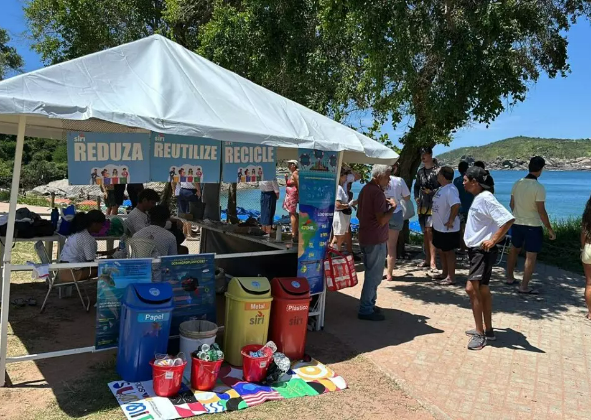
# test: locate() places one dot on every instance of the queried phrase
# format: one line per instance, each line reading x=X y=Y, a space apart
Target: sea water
x=566 y=192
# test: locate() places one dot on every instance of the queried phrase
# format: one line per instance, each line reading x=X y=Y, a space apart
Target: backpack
x=23 y=224
x=42 y=227
x=65 y=224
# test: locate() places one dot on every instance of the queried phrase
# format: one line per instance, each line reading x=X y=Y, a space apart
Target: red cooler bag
x=339 y=270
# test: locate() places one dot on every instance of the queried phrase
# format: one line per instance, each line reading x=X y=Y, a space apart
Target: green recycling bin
x=248 y=307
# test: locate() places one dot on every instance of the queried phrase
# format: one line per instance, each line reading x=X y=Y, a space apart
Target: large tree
x=10 y=60
x=67 y=29
x=438 y=65
x=442 y=64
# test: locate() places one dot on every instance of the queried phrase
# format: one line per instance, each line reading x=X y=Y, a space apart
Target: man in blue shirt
x=465 y=199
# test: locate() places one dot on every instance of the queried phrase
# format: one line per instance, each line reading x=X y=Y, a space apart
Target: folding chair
x=506 y=244
x=42 y=254
x=141 y=248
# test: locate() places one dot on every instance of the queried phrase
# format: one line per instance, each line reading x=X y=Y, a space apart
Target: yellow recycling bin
x=248 y=307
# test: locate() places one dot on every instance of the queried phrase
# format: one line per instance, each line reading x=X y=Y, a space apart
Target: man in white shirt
x=398 y=191
x=446 y=224
x=138 y=218
x=164 y=240
x=488 y=223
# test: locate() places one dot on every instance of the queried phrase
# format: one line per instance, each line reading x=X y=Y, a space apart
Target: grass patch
x=29 y=200
x=84 y=398
x=564 y=251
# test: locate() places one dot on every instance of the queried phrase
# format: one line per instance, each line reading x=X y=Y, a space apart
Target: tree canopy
x=10 y=60
x=434 y=65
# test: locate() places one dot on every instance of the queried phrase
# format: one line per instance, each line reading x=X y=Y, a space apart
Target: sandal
x=447 y=282
x=529 y=291
x=18 y=302
x=511 y=283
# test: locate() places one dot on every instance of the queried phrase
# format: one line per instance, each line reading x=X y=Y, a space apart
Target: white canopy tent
x=156 y=85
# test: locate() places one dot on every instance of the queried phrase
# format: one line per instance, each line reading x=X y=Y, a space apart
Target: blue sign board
x=184 y=159
x=248 y=163
x=318 y=179
x=113 y=278
x=192 y=278
x=108 y=158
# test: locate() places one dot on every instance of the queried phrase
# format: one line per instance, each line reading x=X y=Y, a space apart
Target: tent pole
x=16 y=176
x=320 y=323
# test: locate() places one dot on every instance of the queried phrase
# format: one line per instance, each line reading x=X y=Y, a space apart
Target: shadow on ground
x=559 y=291
x=79 y=382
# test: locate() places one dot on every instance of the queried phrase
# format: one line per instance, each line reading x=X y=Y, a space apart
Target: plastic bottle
x=55 y=217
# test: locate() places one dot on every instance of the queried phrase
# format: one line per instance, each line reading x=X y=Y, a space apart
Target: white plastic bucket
x=193 y=334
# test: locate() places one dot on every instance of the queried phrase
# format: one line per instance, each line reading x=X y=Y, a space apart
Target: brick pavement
x=539 y=367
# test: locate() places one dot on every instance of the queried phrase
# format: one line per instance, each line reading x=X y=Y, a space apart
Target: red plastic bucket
x=204 y=374
x=167 y=379
x=254 y=368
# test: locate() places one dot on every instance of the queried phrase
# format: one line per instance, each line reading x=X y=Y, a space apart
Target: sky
x=554 y=108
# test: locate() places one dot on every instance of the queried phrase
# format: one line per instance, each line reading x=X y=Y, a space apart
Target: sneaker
x=377 y=310
x=371 y=317
x=477 y=342
x=490 y=335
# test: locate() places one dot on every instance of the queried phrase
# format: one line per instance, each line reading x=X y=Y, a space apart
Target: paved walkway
x=539 y=367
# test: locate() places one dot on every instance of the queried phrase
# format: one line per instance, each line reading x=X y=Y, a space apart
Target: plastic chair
x=141 y=248
x=42 y=254
x=506 y=244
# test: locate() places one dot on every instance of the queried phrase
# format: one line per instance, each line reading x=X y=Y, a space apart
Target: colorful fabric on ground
x=138 y=400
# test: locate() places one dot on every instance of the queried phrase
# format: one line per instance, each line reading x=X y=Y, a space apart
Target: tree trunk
x=232 y=211
x=407 y=170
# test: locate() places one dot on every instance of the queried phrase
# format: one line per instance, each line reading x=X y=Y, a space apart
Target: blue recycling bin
x=146 y=313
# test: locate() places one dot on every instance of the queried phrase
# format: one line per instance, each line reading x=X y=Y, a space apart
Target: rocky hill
x=514 y=154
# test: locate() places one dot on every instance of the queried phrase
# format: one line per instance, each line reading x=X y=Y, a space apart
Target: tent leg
x=16 y=176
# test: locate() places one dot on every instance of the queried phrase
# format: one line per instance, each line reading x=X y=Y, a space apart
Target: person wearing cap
x=488 y=223
x=375 y=210
x=290 y=202
x=425 y=186
x=528 y=198
x=481 y=164
x=446 y=224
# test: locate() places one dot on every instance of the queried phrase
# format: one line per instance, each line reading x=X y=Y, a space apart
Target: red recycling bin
x=167 y=379
x=254 y=369
x=289 y=315
x=204 y=374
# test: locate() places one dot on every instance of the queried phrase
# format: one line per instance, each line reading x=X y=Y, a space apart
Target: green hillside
x=523 y=148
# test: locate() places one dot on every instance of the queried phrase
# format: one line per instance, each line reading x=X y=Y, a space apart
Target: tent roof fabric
x=154 y=84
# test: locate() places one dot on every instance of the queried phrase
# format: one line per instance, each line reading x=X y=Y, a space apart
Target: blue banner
x=248 y=163
x=192 y=278
x=184 y=159
x=108 y=158
x=317 y=191
x=113 y=278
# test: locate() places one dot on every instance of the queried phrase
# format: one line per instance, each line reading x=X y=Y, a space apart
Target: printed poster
x=113 y=278
x=192 y=278
x=108 y=158
x=318 y=179
x=248 y=163
x=184 y=159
